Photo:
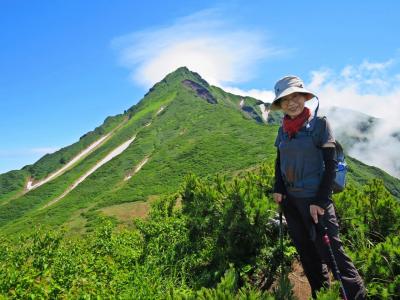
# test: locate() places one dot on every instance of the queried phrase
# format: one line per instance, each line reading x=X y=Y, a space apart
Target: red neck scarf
x=292 y=126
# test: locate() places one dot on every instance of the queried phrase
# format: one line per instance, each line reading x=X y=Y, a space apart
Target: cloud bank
x=370 y=88
x=373 y=89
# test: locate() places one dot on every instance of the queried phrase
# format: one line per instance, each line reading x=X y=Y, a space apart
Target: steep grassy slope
x=38 y=197
x=51 y=162
x=360 y=174
x=14 y=183
x=189 y=135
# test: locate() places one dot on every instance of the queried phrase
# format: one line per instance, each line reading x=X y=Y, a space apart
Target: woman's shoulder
x=322 y=121
x=324 y=130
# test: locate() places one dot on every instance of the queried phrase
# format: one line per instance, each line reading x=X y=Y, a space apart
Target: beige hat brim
x=276 y=105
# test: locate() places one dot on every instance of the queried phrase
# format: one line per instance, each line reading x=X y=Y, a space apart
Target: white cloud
x=319 y=77
x=366 y=65
x=370 y=88
x=205 y=42
x=264 y=95
x=368 y=79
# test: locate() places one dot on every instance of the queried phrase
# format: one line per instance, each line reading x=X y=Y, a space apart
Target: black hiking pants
x=314 y=254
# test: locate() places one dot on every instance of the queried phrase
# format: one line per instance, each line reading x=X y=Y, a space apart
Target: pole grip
x=326 y=239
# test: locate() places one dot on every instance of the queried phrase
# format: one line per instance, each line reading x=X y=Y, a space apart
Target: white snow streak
x=138 y=167
x=160 y=110
x=106 y=159
x=264 y=112
x=31 y=186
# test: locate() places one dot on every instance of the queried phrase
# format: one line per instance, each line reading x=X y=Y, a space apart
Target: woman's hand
x=316 y=210
x=278 y=197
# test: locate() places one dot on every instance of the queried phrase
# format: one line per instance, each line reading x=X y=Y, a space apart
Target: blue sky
x=67 y=65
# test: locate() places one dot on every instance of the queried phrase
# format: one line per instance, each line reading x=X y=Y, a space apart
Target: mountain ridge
x=176 y=131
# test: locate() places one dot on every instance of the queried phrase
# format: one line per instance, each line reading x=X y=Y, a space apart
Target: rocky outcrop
x=201 y=91
x=251 y=112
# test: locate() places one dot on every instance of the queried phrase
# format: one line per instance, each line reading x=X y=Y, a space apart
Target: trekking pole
x=336 y=271
x=281 y=238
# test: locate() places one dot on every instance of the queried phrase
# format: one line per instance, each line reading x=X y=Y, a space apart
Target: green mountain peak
x=175 y=78
x=183 y=73
x=182 y=125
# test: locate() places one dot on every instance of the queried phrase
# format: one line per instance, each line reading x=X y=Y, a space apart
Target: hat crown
x=288 y=85
x=287 y=82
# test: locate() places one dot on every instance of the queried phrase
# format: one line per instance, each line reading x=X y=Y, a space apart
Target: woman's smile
x=293 y=104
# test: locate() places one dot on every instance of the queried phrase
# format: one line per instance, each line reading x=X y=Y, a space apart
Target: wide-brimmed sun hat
x=289 y=85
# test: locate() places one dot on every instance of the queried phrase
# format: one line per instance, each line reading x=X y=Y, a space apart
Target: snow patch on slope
x=30 y=185
x=138 y=167
x=117 y=151
x=160 y=110
x=264 y=112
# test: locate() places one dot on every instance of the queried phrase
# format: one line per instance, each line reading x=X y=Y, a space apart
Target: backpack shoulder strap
x=311 y=124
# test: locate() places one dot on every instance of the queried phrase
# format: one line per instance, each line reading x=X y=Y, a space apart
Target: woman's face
x=293 y=104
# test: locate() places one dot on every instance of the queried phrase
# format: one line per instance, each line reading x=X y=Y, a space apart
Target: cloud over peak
x=204 y=42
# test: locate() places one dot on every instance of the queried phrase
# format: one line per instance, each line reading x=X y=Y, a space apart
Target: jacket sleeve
x=279 y=186
x=323 y=198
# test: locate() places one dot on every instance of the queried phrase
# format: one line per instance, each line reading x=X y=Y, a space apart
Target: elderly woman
x=304 y=176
